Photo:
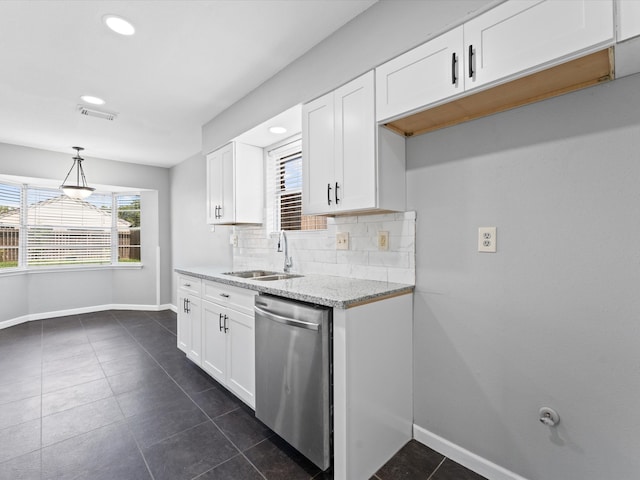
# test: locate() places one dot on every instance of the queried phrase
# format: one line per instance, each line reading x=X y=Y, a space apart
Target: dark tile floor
x=107 y=396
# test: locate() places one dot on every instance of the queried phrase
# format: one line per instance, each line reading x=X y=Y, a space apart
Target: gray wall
x=194 y=242
x=385 y=30
x=36 y=293
x=552 y=317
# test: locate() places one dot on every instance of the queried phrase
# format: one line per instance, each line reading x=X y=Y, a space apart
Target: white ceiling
x=188 y=61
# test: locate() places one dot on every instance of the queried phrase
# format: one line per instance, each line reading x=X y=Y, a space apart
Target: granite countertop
x=331 y=291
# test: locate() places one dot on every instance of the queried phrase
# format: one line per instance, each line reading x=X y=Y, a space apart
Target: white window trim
x=281 y=149
x=23 y=268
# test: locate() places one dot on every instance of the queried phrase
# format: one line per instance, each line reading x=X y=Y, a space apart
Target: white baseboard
x=77 y=311
x=464 y=457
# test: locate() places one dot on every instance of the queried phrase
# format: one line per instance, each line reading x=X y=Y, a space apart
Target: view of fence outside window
x=42 y=227
x=128 y=228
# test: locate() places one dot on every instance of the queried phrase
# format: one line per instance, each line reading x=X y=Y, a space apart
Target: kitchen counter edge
x=317 y=289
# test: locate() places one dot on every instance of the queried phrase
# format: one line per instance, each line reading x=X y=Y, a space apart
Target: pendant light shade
x=80 y=189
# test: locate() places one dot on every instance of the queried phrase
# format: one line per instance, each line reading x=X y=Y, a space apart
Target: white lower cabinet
x=216 y=330
x=372 y=392
x=189 y=318
x=228 y=349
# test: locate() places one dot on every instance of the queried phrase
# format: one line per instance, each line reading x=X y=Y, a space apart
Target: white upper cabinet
x=235 y=185
x=517 y=36
x=424 y=75
x=343 y=157
x=513 y=39
x=355 y=145
x=318 y=170
x=628 y=19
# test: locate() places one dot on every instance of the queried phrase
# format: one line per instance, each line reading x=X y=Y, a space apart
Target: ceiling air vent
x=92 y=112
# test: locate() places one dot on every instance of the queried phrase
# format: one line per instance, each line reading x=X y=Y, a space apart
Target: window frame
x=274 y=156
x=23 y=228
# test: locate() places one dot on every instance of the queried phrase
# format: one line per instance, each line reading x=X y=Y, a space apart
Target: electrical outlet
x=342 y=241
x=383 y=240
x=487 y=239
x=233 y=240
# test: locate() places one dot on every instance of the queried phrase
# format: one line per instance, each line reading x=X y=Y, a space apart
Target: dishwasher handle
x=287 y=321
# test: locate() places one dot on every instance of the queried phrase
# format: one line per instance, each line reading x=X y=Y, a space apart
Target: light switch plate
x=342 y=241
x=383 y=240
x=487 y=239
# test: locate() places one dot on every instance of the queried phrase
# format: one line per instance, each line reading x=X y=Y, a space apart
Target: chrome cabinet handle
x=328 y=194
x=226 y=329
x=336 y=193
x=220 y=321
x=225 y=295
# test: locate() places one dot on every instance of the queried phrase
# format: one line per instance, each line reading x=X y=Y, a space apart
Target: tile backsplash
x=314 y=252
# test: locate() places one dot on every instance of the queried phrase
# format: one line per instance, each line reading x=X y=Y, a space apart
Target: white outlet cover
x=487 y=239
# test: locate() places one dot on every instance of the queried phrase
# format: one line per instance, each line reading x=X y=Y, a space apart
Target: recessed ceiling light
x=118 y=25
x=92 y=100
x=277 y=130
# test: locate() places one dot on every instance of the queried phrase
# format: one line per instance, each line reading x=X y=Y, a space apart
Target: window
x=128 y=228
x=285 y=189
x=62 y=231
x=10 y=198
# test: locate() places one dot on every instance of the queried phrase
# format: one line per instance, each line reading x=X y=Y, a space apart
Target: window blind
x=67 y=231
x=284 y=190
x=289 y=191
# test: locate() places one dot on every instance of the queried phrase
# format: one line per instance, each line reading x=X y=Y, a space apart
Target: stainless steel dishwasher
x=293 y=374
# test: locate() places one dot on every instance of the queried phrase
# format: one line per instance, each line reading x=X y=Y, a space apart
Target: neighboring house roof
x=63 y=211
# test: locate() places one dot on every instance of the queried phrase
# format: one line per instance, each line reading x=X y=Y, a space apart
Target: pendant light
x=80 y=189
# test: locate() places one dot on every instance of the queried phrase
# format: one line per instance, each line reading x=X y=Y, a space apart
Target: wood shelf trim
x=573 y=75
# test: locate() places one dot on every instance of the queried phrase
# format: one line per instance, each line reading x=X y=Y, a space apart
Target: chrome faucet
x=288 y=262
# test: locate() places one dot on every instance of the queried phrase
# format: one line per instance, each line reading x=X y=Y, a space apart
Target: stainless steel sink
x=251 y=273
x=280 y=276
x=262 y=275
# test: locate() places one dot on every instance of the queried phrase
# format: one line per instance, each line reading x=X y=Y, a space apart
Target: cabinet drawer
x=239 y=299
x=192 y=285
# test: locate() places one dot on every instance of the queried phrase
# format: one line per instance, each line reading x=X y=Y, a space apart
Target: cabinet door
x=628 y=19
x=517 y=36
x=424 y=75
x=241 y=356
x=214 y=349
x=220 y=185
x=194 y=352
x=184 y=323
x=227 y=212
x=189 y=329
x=354 y=187
x=318 y=156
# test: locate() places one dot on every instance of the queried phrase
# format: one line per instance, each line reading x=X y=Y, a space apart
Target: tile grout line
x=437 y=468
